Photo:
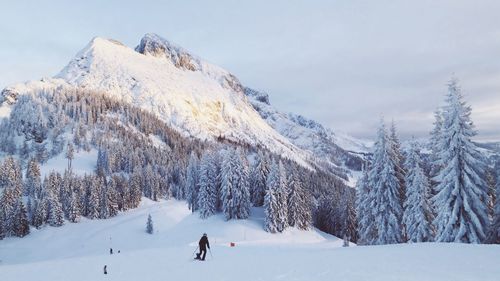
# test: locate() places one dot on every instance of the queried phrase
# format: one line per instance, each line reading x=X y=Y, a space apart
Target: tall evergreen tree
x=399 y=160
x=192 y=182
x=417 y=216
x=461 y=197
x=7 y=208
x=258 y=178
x=39 y=212
x=56 y=215
x=299 y=205
x=21 y=225
x=149 y=225
x=235 y=186
x=103 y=202
x=74 y=209
x=11 y=176
x=102 y=166
x=275 y=201
x=367 y=230
x=92 y=194
x=207 y=198
x=135 y=188
x=33 y=184
x=350 y=221
x=112 y=197
x=11 y=184
x=385 y=198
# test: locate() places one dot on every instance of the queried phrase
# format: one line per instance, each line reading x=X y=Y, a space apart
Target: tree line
x=212 y=176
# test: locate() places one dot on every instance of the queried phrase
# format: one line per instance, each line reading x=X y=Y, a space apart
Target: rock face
x=9 y=96
x=153 y=45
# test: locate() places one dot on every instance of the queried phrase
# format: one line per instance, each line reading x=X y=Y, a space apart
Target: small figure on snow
x=203 y=244
x=110 y=251
x=105 y=269
x=346 y=241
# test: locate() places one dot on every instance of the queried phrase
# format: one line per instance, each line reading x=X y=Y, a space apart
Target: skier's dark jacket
x=204 y=243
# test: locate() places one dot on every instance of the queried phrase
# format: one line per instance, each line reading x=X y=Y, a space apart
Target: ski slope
x=80 y=251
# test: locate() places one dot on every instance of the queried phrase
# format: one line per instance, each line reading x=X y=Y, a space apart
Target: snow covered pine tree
x=207 y=197
x=417 y=215
x=149 y=225
x=235 y=187
x=461 y=195
x=384 y=197
x=275 y=201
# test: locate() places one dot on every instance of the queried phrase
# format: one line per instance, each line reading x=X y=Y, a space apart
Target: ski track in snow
x=80 y=251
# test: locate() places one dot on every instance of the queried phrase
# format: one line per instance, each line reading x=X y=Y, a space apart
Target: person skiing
x=105 y=269
x=203 y=244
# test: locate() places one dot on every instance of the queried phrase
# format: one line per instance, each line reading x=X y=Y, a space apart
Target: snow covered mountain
x=200 y=100
x=336 y=149
x=192 y=96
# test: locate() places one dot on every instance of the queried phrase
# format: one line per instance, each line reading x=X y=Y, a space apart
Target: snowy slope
x=194 y=97
x=79 y=252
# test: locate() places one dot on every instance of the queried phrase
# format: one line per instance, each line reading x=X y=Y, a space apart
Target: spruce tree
x=192 y=182
x=207 y=197
x=102 y=166
x=7 y=210
x=235 y=187
x=56 y=215
x=33 y=185
x=385 y=199
x=149 y=225
x=399 y=160
x=417 y=216
x=92 y=203
x=258 y=178
x=103 y=201
x=135 y=188
x=112 y=197
x=40 y=212
x=366 y=229
x=299 y=208
x=11 y=176
x=74 y=209
x=275 y=201
x=21 y=226
x=350 y=222
x=460 y=201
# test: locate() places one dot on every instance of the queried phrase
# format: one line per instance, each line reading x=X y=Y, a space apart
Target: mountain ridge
x=196 y=98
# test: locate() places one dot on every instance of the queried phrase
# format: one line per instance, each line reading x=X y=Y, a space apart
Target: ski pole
x=195 y=251
x=210 y=250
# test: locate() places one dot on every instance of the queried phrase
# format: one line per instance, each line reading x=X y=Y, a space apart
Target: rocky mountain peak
x=154 y=45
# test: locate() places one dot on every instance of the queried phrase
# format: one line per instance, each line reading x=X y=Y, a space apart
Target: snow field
x=80 y=251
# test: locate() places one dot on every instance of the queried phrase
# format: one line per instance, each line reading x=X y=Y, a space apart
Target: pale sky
x=343 y=63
